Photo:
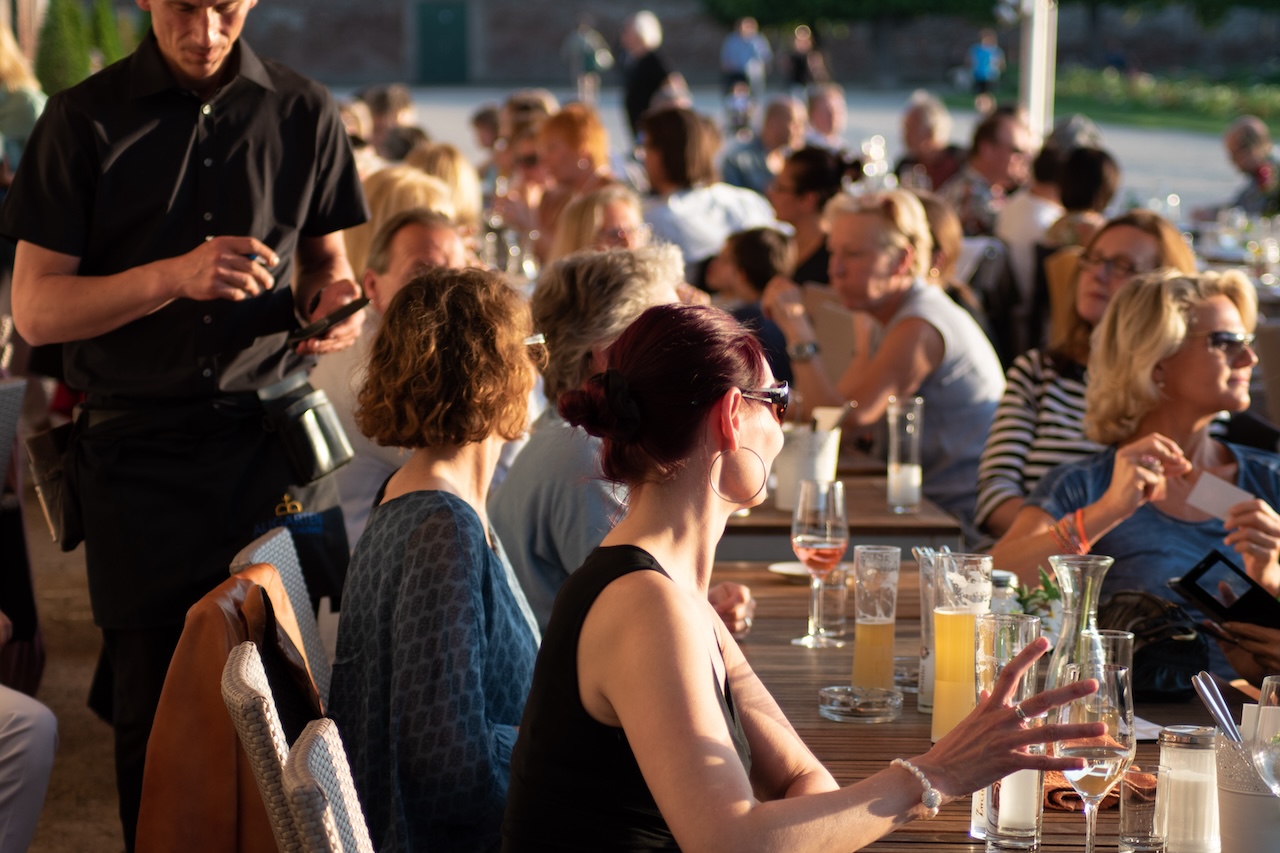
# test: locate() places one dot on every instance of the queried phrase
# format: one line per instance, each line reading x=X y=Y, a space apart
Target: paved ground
x=80 y=810
x=1154 y=162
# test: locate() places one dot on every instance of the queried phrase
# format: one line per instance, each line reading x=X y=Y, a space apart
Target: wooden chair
x=317 y=779
x=247 y=694
x=276 y=547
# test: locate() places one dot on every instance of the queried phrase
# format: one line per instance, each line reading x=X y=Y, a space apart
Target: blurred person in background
x=926 y=136
x=390 y=106
x=609 y=218
x=1089 y=179
x=647 y=79
x=1025 y=218
x=924 y=344
x=755 y=163
x=997 y=165
x=387 y=192
x=444 y=161
x=809 y=179
x=739 y=274
x=744 y=57
x=555 y=507
x=690 y=208
x=828 y=116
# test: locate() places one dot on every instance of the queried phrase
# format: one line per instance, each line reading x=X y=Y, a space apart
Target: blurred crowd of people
x=526 y=384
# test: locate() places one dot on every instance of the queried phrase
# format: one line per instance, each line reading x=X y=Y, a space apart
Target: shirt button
x=208 y=217
x=206 y=109
x=207 y=319
x=208 y=161
x=206 y=373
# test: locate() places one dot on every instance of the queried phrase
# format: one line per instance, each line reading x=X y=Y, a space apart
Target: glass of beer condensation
x=819 y=536
x=962 y=590
x=875 y=601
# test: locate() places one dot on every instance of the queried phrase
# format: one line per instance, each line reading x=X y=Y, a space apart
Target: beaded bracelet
x=930 y=799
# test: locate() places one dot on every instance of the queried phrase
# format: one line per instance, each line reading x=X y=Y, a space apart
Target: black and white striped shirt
x=1039 y=424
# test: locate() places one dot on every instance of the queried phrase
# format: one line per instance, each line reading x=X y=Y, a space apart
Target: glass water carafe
x=1080 y=580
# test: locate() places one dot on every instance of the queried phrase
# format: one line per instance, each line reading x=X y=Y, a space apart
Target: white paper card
x=1216 y=496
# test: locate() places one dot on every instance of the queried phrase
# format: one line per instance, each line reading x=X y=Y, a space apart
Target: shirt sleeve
x=50 y=203
x=1000 y=470
x=338 y=200
x=1070 y=487
x=452 y=761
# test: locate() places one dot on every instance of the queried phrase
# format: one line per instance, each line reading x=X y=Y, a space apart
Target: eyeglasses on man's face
x=779 y=396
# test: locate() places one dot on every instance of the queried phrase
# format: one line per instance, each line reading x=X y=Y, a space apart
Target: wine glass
x=1264 y=743
x=819 y=536
x=1106 y=756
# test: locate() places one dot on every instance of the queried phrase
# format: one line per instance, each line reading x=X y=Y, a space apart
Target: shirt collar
x=150 y=74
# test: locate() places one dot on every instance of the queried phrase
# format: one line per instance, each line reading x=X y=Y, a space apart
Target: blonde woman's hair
x=1146 y=323
x=903 y=217
x=444 y=161
x=15 y=70
x=388 y=192
x=583 y=302
x=581 y=218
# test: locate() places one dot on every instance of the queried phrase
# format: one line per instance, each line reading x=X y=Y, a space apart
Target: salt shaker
x=1192 y=799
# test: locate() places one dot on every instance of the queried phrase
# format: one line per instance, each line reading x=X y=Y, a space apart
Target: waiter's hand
x=342 y=335
x=232 y=268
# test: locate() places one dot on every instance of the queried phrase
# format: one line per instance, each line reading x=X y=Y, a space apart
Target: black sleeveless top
x=575 y=784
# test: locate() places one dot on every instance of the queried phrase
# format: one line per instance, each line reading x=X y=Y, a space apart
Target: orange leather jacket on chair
x=198 y=791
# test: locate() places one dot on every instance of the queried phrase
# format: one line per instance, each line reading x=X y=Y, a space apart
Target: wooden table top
x=864 y=497
x=853 y=751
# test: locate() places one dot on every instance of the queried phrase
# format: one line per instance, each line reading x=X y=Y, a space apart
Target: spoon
x=1212 y=699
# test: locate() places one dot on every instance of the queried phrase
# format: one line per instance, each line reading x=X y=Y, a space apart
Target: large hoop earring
x=764 y=477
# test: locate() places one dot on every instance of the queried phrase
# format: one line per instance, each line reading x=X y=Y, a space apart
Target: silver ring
x=1022 y=715
x=1151 y=463
x=749 y=622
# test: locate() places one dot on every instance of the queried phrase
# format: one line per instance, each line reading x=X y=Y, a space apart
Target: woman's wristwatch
x=803 y=351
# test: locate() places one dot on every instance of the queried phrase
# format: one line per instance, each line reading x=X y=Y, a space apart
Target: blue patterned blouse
x=436 y=645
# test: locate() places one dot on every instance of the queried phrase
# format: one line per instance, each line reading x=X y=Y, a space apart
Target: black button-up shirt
x=127 y=168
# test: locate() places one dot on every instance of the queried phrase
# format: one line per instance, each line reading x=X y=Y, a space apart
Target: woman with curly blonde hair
x=1172 y=350
x=436 y=642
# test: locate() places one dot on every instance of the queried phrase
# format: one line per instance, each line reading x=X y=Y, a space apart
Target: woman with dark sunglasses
x=645 y=728
x=1171 y=352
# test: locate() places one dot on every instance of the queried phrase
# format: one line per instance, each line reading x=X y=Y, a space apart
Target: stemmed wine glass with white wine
x=1106 y=756
x=819 y=536
x=1264 y=744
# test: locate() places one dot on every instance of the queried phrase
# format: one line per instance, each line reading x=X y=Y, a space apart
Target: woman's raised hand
x=1141 y=471
x=1254 y=532
x=992 y=741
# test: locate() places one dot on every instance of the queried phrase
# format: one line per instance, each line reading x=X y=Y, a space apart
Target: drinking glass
x=1264 y=744
x=1011 y=808
x=875 y=569
x=1106 y=756
x=962 y=590
x=1107 y=645
x=819 y=536
x=905 y=419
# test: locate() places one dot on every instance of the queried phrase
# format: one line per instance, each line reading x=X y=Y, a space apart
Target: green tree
x=106 y=31
x=62 y=51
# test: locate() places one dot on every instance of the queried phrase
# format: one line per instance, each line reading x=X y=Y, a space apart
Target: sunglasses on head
x=1230 y=344
x=779 y=396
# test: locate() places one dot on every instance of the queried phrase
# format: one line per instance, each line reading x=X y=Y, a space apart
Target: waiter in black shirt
x=159 y=211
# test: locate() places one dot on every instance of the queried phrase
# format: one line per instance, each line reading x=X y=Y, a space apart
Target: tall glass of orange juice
x=963 y=590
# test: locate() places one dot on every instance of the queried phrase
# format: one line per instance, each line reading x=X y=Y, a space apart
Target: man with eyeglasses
x=997 y=165
x=1249 y=147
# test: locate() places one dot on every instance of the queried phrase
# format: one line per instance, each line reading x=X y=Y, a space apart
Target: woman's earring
x=711 y=475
